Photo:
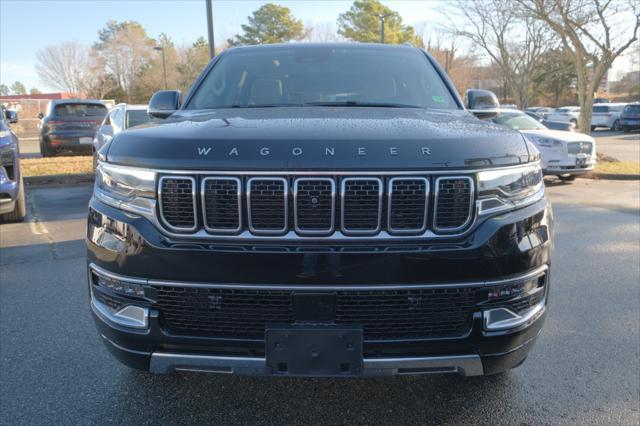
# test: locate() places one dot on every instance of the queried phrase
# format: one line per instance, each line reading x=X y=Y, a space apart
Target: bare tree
x=321 y=32
x=513 y=42
x=64 y=66
x=595 y=31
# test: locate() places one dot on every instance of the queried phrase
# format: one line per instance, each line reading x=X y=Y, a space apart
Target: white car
x=607 y=115
x=564 y=154
x=568 y=114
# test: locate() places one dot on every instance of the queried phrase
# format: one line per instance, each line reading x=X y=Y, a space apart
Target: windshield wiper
x=361 y=104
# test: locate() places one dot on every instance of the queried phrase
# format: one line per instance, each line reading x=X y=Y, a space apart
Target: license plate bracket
x=314 y=350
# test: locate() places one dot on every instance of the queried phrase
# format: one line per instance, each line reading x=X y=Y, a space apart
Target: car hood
x=318 y=138
x=560 y=135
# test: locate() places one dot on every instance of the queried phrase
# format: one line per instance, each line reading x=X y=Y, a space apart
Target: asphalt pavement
x=585 y=368
x=623 y=146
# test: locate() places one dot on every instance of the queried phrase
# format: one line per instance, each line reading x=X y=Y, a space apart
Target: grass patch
x=57 y=166
x=622 y=167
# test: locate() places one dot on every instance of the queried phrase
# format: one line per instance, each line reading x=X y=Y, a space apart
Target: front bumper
x=506 y=247
x=9 y=190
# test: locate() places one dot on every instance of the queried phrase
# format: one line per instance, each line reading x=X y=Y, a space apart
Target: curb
x=71 y=179
x=609 y=176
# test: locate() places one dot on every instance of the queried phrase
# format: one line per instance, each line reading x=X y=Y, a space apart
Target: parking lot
x=583 y=370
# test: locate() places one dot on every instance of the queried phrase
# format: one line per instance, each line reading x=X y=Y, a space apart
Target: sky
x=27 y=26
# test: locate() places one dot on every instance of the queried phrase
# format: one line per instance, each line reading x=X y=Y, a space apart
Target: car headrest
x=266 y=91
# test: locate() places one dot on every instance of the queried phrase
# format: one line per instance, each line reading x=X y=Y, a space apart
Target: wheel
x=567 y=178
x=626 y=129
x=20 y=210
x=46 y=151
x=574 y=121
x=616 y=126
x=593 y=128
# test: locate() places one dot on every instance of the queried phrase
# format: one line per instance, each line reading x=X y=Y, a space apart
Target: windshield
x=136 y=117
x=80 y=110
x=632 y=109
x=600 y=109
x=518 y=121
x=318 y=75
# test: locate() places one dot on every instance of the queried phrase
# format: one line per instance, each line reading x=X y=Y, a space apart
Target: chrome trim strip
x=285 y=209
x=356 y=172
x=167 y=362
x=301 y=231
x=508 y=319
x=204 y=208
x=343 y=185
x=435 y=203
x=129 y=316
x=390 y=206
x=193 y=200
x=297 y=287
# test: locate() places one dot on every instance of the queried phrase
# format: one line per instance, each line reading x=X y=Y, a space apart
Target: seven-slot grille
x=579 y=147
x=313 y=205
x=178 y=203
x=383 y=314
x=453 y=203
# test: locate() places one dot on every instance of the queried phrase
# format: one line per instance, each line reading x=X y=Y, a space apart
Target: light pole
x=212 y=51
x=164 y=64
x=382 y=18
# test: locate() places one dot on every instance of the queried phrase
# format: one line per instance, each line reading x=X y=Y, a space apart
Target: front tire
x=567 y=178
x=20 y=210
x=616 y=126
x=626 y=129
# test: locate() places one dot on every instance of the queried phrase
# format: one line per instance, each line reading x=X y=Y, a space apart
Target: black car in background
x=319 y=210
x=630 y=117
x=70 y=127
x=12 y=201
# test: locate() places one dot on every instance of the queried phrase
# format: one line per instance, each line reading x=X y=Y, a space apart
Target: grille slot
x=383 y=314
x=579 y=147
x=222 y=205
x=361 y=205
x=314 y=205
x=407 y=205
x=178 y=202
x=267 y=202
x=453 y=203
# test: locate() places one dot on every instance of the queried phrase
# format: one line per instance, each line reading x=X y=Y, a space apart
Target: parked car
x=319 y=210
x=12 y=202
x=541 y=111
x=120 y=117
x=564 y=154
x=569 y=114
x=607 y=115
x=630 y=117
x=554 y=125
x=70 y=126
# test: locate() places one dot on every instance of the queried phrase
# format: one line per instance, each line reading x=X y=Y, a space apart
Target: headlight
x=501 y=190
x=544 y=142
x=125 y=187
x=7 y=156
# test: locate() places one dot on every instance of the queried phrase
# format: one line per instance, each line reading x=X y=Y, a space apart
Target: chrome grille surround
x=203 y=195
x=252 y=205
x=344 y=194
x=436 y=211
x=301 y=228
x=162 y=193
x=390 y=205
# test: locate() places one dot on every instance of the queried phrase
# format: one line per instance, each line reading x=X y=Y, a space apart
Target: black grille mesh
x=268 y=204
x=177 y=202
x=453 y=203
x=407 y=199
x=361 y=208
x=385 y=314
x=221 y=204
x=314 y=204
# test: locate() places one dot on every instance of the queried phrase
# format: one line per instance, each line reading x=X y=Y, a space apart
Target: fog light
x=511 y=291
x=125 y=288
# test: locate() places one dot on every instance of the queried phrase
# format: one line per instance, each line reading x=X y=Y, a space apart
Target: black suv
x=319 y=210
x=70 y=126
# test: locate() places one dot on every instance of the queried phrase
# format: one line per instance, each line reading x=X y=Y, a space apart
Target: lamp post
x=210 y=29
x=382 y=19
x=164 y=64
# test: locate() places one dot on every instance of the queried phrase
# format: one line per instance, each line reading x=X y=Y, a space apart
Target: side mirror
x=11 y=116
x=40 y=115
x=164 y=103
x=482 y=103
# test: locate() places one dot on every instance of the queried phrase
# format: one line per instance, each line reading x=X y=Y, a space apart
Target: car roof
x=76 y=101
x=277 y=46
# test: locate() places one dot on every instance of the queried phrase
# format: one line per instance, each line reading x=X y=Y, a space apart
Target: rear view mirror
x=164 y=103
x=40 y=115
x=482 y=103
